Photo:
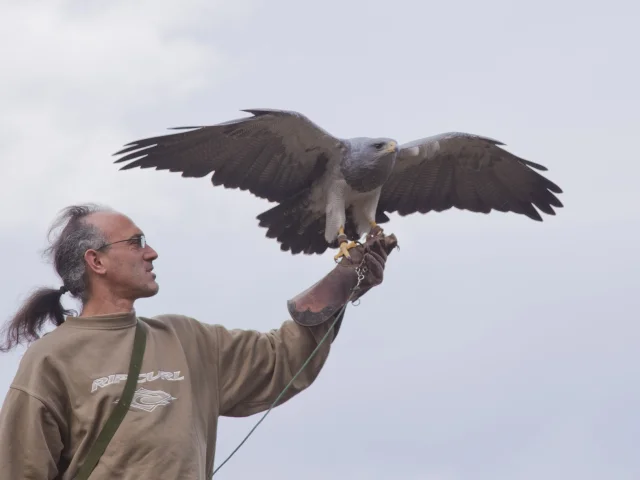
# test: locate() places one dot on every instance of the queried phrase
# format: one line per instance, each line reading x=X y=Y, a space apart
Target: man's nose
x=150 y=253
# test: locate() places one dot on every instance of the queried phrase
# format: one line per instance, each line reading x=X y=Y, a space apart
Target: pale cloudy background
x=497 y=348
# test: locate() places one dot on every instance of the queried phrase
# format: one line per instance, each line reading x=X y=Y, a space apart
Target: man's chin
x=150 y=290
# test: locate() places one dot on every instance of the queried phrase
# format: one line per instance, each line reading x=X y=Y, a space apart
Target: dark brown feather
x=466 y=172
x=275 y=154
x=298 y=229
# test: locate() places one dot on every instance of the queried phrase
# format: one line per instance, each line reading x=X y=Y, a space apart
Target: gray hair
x=66 y=251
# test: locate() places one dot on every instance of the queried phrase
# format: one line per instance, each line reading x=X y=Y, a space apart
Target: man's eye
x=138 y=241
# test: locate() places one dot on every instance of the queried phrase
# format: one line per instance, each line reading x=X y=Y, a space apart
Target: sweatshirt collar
x=110 y=321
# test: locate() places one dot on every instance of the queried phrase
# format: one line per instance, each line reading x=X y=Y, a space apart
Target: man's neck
x=106 y=306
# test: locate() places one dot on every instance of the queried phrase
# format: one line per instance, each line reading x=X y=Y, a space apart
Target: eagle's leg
x=344 y=246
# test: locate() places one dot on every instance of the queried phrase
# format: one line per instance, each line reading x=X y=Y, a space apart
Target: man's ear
x=94 y=262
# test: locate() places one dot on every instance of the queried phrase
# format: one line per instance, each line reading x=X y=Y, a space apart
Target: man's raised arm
x=255 y=367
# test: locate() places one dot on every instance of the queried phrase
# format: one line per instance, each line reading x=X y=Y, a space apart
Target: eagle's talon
x=344 y=250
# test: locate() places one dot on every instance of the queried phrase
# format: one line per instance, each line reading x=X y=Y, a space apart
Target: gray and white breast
x=368 y=162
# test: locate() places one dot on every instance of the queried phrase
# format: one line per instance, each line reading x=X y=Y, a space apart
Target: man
x=70 y=379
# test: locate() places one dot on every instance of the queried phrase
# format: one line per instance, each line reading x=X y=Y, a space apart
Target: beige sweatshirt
x=69 y=381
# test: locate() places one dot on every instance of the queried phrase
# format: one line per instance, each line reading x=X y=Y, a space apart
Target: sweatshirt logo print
x=142 y=378
x=149 y=400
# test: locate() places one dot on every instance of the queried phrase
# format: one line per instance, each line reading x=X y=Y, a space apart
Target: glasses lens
x=143 y=241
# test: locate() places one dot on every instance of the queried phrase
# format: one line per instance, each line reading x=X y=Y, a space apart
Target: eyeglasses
x=137 y=240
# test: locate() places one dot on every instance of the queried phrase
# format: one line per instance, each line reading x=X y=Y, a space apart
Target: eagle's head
x=372 y=150
x=369 y=162
x=382 y=146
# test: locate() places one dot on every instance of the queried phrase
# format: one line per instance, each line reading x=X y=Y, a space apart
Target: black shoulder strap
x=114 y=420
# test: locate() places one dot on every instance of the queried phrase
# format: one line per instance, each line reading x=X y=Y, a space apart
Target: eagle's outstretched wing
x=274 y=153
x=468 y=172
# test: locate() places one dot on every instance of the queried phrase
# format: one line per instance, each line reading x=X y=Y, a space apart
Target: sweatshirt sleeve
x=255 y=367
x=30 y=438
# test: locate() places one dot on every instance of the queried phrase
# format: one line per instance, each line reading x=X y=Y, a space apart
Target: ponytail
x=43 y=305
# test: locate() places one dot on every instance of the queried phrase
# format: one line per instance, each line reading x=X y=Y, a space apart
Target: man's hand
x=374 y=252
x=321 y=301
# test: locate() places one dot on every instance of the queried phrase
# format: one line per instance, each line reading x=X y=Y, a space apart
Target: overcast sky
x=497 y=348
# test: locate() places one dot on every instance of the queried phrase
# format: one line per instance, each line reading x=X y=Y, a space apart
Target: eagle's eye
x=379 y=145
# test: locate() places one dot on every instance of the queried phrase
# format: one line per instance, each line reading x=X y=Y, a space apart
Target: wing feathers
x=468 y=172
x=274 y=154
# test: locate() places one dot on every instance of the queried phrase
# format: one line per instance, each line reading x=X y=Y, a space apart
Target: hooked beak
x=392 y=146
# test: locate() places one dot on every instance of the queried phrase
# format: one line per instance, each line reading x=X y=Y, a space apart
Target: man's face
x=126 y=265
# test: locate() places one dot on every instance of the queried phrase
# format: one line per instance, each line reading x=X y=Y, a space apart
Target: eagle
x=330 y=191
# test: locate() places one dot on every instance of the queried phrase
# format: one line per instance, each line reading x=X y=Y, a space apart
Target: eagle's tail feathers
x=298 y=228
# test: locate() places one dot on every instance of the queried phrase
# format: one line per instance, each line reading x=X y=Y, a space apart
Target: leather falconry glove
x=320 y=302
